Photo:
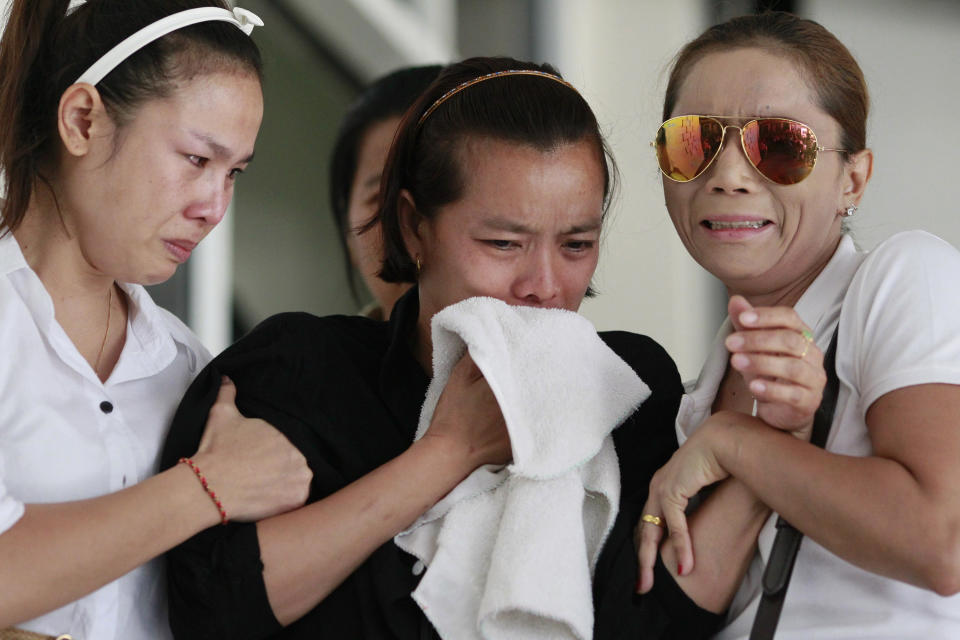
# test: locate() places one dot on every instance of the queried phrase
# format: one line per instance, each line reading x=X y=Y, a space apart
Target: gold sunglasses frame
x=743 y=147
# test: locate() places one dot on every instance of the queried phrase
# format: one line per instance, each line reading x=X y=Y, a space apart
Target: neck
x=54 y=253
x=422 y=344
x=83 y=296
x=789 y=293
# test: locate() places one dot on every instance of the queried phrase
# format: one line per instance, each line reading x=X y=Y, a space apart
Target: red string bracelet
x=206 y=487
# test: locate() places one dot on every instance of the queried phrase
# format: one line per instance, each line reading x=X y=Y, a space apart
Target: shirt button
x=106 y=407
x=418 y=567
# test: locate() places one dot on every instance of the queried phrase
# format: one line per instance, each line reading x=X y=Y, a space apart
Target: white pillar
x=910 y=56
x=617 y=53
x=210 y=286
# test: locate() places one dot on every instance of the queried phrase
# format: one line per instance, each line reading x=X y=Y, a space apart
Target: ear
x=411 y=225
x=858 y=170
x=81 y=117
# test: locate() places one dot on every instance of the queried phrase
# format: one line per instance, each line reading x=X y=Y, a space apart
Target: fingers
x=775 y=353
x=664 y=514
x=468 y=416
x=648 y=537
x=224 y=409
x=803 y=400
x=773 y=344
x=676 y=519
x=775 y=341
x=745 y=316
x=759 y=368
x=228 y=392
x=737 y=306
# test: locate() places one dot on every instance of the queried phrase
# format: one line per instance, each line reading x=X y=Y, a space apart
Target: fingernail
x=739 y=361
x=758 y=386
x=734 y=341
x=748 y=317
x=679 y=569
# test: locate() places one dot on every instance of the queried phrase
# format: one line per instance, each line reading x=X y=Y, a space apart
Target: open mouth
x=717 y=225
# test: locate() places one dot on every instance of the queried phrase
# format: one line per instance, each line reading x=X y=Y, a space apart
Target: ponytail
x=24 y=135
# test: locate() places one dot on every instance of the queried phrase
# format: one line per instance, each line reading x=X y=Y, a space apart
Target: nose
x=730 y=171
x=538 y=281
x=210 y=204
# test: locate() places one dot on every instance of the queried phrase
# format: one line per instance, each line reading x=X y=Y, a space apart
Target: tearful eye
x=579 y=245
x=502 y=245
x=234 y=173
x=197 y=161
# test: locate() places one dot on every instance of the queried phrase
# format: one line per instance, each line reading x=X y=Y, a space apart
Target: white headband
x=243 y=19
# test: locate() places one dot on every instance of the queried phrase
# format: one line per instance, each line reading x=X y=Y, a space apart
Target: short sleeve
x=902 y=317
x=11 y=509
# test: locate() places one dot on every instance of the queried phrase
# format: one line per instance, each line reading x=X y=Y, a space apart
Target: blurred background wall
x=277 y=250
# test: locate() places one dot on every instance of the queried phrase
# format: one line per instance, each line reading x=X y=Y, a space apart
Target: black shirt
x=347 y=392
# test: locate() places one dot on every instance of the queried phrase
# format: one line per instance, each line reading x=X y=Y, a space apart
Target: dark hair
x=522 y=109
x=825 y=64
x=44 y=51
x=387 y=97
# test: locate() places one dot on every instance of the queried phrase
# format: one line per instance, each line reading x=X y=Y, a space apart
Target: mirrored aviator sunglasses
x=781 y=150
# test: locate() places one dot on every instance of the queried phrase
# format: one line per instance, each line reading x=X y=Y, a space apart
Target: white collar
x=11 y=257
x=150 y=345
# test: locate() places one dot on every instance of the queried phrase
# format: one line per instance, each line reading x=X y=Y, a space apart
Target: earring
x=419 y=266
x=849 y=211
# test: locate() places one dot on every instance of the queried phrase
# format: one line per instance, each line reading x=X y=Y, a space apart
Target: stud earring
x=849 y=211
x=419 y=265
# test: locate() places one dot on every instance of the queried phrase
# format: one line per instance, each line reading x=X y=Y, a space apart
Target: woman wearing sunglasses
x=764 y=155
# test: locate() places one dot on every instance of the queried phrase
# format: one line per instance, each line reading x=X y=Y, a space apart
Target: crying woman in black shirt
x=496 y=185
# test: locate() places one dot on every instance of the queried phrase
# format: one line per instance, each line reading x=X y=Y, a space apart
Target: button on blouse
x=65 y=435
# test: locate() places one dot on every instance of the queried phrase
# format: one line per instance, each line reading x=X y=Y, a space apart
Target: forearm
x=57 y=553
x=723 y=532
x=870 y=511
x=307 y=553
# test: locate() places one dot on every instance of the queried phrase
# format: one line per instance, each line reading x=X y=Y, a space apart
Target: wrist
x=730 y=435
x=196 y=502
x=447 y=455
x=206 y=487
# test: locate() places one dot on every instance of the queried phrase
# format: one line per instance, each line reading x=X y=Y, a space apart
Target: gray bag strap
x=783 y=554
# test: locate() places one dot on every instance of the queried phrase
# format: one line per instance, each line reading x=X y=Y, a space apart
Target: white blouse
x=899 y=326
x=64 y=435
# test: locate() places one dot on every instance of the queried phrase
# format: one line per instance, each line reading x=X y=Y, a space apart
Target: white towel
x=511 y=551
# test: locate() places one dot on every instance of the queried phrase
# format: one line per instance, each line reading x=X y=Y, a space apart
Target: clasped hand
x=773 y=350
x=468 y=418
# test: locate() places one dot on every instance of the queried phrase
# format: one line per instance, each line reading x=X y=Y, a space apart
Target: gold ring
x=655 y=520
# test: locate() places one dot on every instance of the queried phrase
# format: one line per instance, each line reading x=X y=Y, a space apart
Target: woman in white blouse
x=763 y=152
x=120 y=148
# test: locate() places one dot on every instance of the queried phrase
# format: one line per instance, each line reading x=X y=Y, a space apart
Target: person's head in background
x=359 y=153
x=130 y=167
x=497 y=185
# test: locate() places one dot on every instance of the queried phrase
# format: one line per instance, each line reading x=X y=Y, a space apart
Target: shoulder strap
x=783 y=554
